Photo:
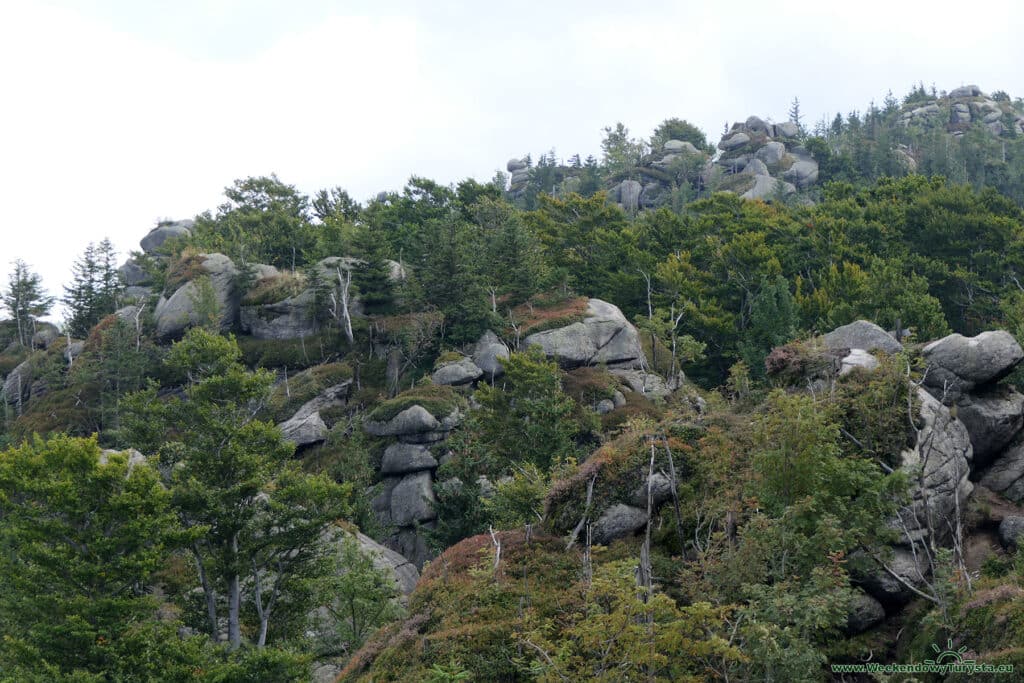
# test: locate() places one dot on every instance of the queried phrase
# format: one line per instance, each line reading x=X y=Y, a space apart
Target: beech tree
x=82 y=532
x=257 y=519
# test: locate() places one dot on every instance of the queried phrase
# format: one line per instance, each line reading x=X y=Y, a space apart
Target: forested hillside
x=741 y=411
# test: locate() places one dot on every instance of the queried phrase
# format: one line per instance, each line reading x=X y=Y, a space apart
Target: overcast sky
x=116 y=114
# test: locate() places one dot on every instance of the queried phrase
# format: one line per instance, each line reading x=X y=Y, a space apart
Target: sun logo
x=949 y=655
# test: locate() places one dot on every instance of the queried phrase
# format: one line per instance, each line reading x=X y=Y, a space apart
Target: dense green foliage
x=755 y=486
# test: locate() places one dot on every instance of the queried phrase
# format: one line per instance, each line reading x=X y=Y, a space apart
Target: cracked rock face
x=292 y=318
x=993 y=418
x=605 y=336
x=938 y=466
x=1006 y=475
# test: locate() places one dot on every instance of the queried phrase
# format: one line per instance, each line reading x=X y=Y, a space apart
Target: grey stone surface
x=887 y=589
x=175 y=314
x=45 y=334
x=992 y=418
x=163 y=232
x=865 y=612
x=645 y=383
x=1010 y=531
x=74 y=350
x=756 y=124
x=293 y=318
x=1006 y=474
x=765 y=187
x=803 y=173
x=303 y=430
x=137 y=293
x=940 y=463
x=857 y=358
x=604 y=336
x=957 y=364
x=604 y=406
x=771 y=153
x=402 y=458
x=18 y=384
x=733 y=142
x=787 y=129
x=412 y=499
x=514 y=165
x=618 y=521
x=462 y=371
x=965 y=91
x=661 y=491
x=133 y=274
x=680 y=147
x=128 y=314
x=306 y=426
x=861 y=334
x=629 y=195
x=488 y=353
x=413 y=419
x=403 y=571
x=755 y=167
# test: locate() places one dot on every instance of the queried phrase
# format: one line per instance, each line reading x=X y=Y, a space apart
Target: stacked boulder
x=677 y=163
x=406 y=499
x=963 y=107
x=967 y=425
x=520 y=170
x=766 y=158
x=484 y=362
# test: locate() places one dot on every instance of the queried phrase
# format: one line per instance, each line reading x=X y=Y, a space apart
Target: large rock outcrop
x=938 y=467
x=957 y=364
x=993 y=417
x=307 y=425
x=489 y=353
x=164 y=231
x=291 y=318
x=861 y=334
x=404 y=499
x=179 y=311
x=604 y=336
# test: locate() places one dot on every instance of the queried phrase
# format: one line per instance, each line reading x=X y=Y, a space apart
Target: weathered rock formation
x=604 y=336
x=177 y=312
x=165 y=231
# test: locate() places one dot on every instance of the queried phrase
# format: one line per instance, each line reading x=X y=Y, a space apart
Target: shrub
x=274 y=289
x=287 y=397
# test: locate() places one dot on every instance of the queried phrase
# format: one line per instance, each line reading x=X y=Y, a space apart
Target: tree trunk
x=209 y=594
x=234 y=601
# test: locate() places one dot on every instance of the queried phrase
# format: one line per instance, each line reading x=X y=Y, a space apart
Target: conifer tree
x=25 y=300
x=373 y=277
x=94 y=288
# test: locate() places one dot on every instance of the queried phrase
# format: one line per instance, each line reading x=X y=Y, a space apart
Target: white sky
x=116 y=114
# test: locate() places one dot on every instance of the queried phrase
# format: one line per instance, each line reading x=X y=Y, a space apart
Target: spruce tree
x=25 y=300
x=94 y=288
x=373 y=277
